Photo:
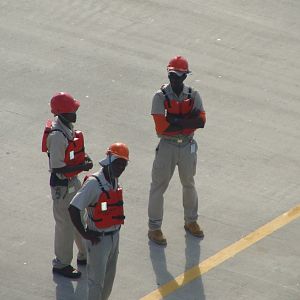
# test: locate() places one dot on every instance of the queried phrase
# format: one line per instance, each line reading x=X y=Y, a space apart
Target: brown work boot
x=194 y=229
x=157 y=237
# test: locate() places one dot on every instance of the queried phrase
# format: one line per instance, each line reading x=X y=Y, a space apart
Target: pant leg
x=98 y=257
x=65 y=232
x=81 y=255
x=162 y=171
x=187 y=170
x=80 y=243
x=111 y=267
x=64 y=229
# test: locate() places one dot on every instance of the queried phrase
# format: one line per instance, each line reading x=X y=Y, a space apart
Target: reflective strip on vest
x=75 y=154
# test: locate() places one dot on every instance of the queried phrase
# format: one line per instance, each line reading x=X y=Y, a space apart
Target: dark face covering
x=114 y=169
x=176 y=82
x=68 y=118
x=117 y=167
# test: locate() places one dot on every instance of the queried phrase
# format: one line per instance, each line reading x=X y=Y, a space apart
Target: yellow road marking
x=223 y=255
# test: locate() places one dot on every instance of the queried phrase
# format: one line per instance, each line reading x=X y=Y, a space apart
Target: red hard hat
x=178 y=63
x=118 y=149
x=63 y=103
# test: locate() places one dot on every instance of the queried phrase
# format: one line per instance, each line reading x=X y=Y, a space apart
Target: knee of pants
x=188 y=186
x=187 y=182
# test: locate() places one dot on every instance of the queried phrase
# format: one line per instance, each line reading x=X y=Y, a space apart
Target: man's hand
x=88 y=163
x=87 y=157
x=193 y=114
x=92 y=236
x=173 y=119
x=76 y=220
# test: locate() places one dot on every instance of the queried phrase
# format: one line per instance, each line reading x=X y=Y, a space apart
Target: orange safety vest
x=74 y=154
x=179 y=108
x=108 y=210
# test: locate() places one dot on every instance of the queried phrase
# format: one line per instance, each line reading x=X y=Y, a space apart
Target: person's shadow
x=192 y=260
x=159 y=265
x=68 y=289
x=189 y=290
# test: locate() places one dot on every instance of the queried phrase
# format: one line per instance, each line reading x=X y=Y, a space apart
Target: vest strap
x=59 y=131
x=166 y=96
x=101 y=186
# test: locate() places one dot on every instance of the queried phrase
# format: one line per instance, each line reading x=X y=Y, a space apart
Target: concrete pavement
x=112 y=55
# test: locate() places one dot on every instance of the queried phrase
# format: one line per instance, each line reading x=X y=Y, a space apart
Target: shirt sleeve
x=158 y=106
x=198 y=101
x=57 y=145
x=198 y=104
x=87 y=195
x=161 y=124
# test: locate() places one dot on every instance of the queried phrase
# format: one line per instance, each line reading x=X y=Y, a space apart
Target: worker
x=67 y=158
x=177 y=111
x=101 y=197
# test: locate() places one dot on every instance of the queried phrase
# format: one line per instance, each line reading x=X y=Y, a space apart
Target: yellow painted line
x=223 y=255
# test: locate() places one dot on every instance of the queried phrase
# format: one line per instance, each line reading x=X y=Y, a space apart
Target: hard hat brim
x=178 y=72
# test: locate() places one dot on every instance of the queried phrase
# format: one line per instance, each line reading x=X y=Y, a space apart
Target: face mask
x=68 y=117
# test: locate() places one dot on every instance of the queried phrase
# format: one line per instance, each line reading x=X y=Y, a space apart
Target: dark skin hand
x=87 y=165
x=86 y=234
x=192 y=120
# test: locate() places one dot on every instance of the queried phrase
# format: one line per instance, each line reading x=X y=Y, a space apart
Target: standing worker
x=65 y=148
x=101 y=196
x=177 y=111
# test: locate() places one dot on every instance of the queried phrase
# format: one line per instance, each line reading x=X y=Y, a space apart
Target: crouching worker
x=101 y=196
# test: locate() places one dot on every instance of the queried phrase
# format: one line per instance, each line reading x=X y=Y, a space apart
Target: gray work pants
x=101 y=268
x=169 y=155
x=65 y=232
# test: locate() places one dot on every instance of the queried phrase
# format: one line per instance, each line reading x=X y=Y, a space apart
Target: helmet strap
x=110 y=175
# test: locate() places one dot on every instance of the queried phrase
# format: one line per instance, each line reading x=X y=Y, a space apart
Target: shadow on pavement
x=192 y=259
x=68 y=289
x=163 y=276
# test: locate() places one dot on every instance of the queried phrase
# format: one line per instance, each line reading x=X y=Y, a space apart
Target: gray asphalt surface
x=112 y=56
